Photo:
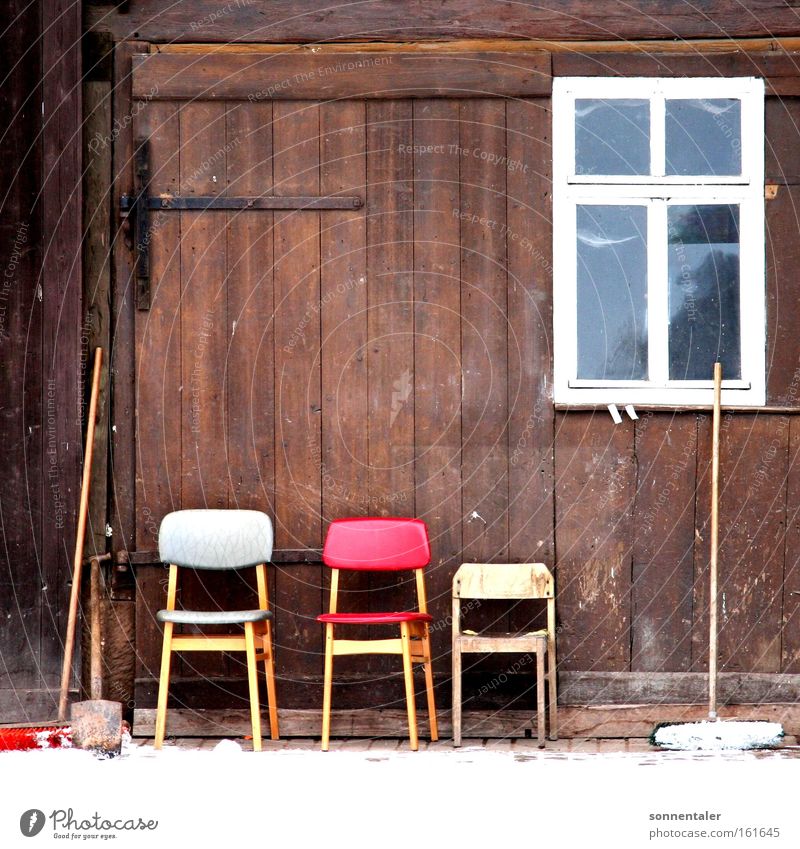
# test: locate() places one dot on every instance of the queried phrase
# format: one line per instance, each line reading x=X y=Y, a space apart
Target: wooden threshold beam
x=602 y=721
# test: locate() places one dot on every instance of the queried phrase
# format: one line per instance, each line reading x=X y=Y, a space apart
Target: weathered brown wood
x=95 y=329
x=753 y=473
x=122 y=356
x=779 y=68
x=249 y=356
x=619 y=688
x=203 y=151
x=297 y=386
x=158 y=376
x=248 y=76
x=529 y=251
x=61 y=287
x=307 y=20
x=595 y=489
x=783 y=255
x=343 y=320
x=267 y=202
x=601 y=721
x=250 y=331
x=790 y=606
x=484 y=336
x=504 y=45
x=149 y=557
x=25 y=463
x=437 y=352
x=663 y=548
x=390 y=357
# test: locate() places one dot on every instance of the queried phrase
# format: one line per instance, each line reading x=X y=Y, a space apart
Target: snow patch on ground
x=719 y=735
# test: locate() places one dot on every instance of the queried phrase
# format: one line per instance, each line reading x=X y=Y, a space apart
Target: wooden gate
x=389 y=357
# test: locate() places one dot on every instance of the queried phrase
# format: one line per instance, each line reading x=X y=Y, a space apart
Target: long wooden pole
x=712 y=593
x=69 y=642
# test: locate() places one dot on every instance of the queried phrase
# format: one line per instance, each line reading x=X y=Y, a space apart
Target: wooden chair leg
x=408 y=674
x=428 y=666
x=552 y=687
x=456 y=693
x=269 y=669
x=163 y=686
x=540 y=696
x=252 y=679
x=326 y=688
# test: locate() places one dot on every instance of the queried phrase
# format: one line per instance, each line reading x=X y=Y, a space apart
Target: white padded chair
x=218 y=540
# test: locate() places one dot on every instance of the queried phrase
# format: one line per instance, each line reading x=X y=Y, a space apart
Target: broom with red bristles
x=58 y=734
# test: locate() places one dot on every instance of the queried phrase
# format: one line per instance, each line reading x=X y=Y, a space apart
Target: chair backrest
x=215 y=539
x=503 y=580
x=377 y=544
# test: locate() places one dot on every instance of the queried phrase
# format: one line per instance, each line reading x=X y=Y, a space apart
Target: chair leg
x=252 y=679
x=551 y=675
x=540 y=696
x=456 y=693
x=408 y=674
x=428 y=666
x=163 y=686
x=326 y=688
x=269 y=669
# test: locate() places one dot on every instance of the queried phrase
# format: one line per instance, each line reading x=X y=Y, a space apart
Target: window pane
x=704 y=137
x=612 y=137
x=704 y=291
x=612 y=292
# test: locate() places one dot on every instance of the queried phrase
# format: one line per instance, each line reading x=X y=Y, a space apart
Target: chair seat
x=373 y=618
x=213 y=617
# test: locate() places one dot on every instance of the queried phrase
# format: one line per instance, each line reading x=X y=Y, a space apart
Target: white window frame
x=658 y=191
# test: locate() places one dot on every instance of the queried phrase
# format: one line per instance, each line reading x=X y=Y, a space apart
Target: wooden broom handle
x=712 y=592
x=69 y=642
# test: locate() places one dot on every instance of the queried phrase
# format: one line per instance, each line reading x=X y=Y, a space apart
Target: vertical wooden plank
x=61 y=288
x=343 y=314
x=663 y=545
x=95 y=331
x=122 y=356
x=595 y=487
x=158 y=378
x=790 y=620
x=249 y=361
x=343 y=317
x=21 y=420
x=782 y=164
x=297 y=389
x=204 y=321
x=391 y=317
x=437 y=354
x=530 y=319
x=484 y=331
x=753 y=478
x=530 y=359
x=390 y=363
x=203 y=308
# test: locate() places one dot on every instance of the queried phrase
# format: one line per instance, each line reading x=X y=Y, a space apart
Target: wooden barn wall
x=418 y=383
x=41 y=358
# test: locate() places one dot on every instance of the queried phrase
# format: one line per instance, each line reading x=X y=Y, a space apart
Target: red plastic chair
x=380 y=545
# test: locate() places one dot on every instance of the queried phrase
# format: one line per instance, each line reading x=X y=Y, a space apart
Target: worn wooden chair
x=380 y=545
x=507 y=581
x=218 y=540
